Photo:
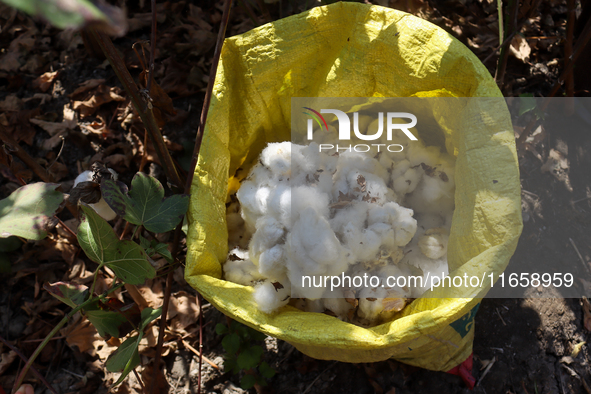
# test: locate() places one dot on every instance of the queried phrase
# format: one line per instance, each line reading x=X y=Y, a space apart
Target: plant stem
x=34 y=370
x=187 y=189
x=145 y=114
x=42 y=345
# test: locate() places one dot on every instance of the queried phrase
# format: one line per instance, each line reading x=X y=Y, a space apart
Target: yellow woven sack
x=356 y=50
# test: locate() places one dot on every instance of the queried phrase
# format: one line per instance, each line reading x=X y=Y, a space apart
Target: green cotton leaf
x=266 y=371
x=75 y=14
x=149 y=315
x=125 y=358
x=145 y=203
x=26 y=211
x=130 y=263
x=248 y=381
x=69 y=293
x=250 y=357
x=231 y=343
x=154 y=247
x=107 y=323
x=100 y=243
x=221 y=329
x=95 y=235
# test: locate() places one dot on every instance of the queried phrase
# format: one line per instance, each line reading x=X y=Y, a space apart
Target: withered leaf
x=429 y=171
x=277 y=286
x=87 y=192
x=443 y=176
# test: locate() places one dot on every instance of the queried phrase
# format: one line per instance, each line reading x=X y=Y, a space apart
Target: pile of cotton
x=304 y=215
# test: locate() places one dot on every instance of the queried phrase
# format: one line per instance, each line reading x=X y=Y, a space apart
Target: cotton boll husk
x=270 y=297
x=101 y=208
x=433 y=243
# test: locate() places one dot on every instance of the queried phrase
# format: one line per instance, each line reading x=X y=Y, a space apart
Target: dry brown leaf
x=86 y=86
x=44 y=97
x=43 y=82
x=101 y=95
x=11 y=103
x=182 y=310
x=83 y=335
x=5 y=360
x=520 y=48
x=54 y=128
x=20 y=45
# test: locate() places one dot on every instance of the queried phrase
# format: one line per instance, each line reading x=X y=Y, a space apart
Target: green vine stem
x=42 y=345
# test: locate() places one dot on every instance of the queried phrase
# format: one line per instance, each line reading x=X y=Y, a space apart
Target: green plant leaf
x=221 y=329
x=266 y=371
x=148 y=315
x=129 y=262
x=145 y=203
x=26 y=211
x=126 y=258
x=250 y=358
x=231 y=343
x=248 y=381
x=107 y=323
x=95 y=235
x=125 y=358
x=527 y=103
x=74 y=14
x=69 y=293
x=10 y=244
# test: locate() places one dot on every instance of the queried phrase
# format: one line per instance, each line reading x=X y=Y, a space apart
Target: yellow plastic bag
x=356 y=50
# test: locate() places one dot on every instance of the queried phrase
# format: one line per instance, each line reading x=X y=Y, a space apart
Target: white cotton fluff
x=102 y=208
x=277 y=158
x=433 y=243
x=271 y=296
x=316 y=214
x=239 y=269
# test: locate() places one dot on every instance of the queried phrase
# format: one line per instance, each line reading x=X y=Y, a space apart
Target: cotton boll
x=277 y=158
x=338 y=304
x=433 y=243
x=239 y=269
x=419 y=154
x=271 y=296
x=279 y=204
x=313 y=248
x=101 y=208
x=370 y=304
x=316 y=306
x=251 y=209
x=269 y=233
x=308 y=198
x=271 y=262
x=407 y=182
x=364 y=244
